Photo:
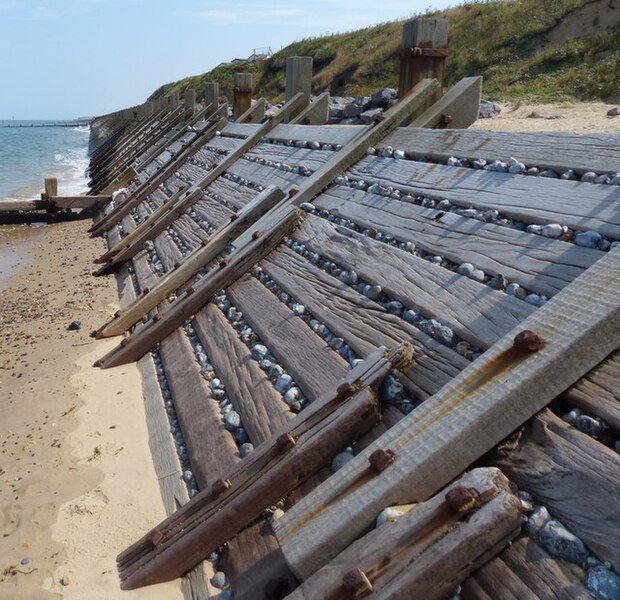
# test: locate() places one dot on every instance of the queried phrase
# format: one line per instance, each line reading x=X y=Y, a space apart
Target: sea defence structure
x=373 y=356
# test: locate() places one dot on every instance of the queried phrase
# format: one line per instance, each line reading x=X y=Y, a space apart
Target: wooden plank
x=253 y=396
x=475 y=312
x=575 y=477
x=316 y=113
x=362 y=323
x=598 y=152
x=211 y=448
x=456 y=109
x=229 y=144
x=543 y=576
x=598 y=392
x=427 y=552
x=213 y=211
x=261 y=174
x=243 y=130
x=174 y=279
x=469 y=416
x=312 y=159
x=265 y=476
x=579 y=205
x=537 y=263
x=340 y=135
x=254 y=114
x=235 y=194
x=307 y=357
x=134 y=346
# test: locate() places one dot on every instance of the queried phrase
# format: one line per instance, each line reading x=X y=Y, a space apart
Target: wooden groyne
x=337 y=323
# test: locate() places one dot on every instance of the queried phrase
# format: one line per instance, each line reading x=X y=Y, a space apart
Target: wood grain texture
x=476 y=312
x=314 y=366
x=252 y=394
x=362 y=323
x=599 y=152
x=313 y=159
x=539 y=264
x=574 y=476
x=579 y=205
x=471 y=414
x=324 y=134
x=598 y=392
x=316 y=113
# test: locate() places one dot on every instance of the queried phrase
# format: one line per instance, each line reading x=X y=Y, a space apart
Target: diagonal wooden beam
x=217 y=122
x=128 y=247
x=487 y=401
x=296 y=451
x=140 y=342
x=199 y=258
x=254 y=114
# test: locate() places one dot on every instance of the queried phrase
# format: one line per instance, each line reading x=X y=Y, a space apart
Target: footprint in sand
x=90 y=503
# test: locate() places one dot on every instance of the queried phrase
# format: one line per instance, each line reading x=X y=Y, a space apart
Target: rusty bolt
x=286 y=441
x=124 y=342
x=157 y=317
x=155 y=538
x=204 y=242
x=220 y=486
x=145 y=291
x=446 y=119
x=528 y=341
x=176 y=265
x=189 y=291
x=117 y=314
x=380 y=460
x=462 y=500
x=346 y=390
x=357 y=584
x=292 y=192
x=257 y=234
x=223 y=263
x=233 y=218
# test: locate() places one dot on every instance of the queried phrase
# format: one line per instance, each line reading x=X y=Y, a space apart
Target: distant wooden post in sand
x=51 y=188
x=212 y=93
x=173 y=101
x=242 y=93
x=298 y=77
x=189 y=99
x=424 y=52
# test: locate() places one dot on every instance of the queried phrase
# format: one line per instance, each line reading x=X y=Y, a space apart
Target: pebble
x=553 y=230
x=307 y=207
x=549 y=173
x=74 y=325
x=392 y=390
x=533 y=299
x=589 y=177
x=392 y=513
x=64 y=580
x=588 y=425
x=374 y=293
x=512 y=288
x=24 y=561
x=411 y=316
x=245 y=449
x=466 y=269
x=560 y=542
x=613 y=112
x=569 y=175
x=283 y=383
x=241 y=436
x=499 y=282
x=219 y=580
x=232 y=420
x=399 y=154
x=292 y=395
x=604 y=583
x=340 y=460
x=477 y=275
x=440 y=332
x=540 y=515
x=394 y=307
x=517 y=168
x=588 y=239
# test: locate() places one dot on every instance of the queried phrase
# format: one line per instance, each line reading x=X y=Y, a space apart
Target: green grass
x=506 y=41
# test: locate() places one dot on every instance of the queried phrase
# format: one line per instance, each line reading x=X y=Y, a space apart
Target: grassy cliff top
x=525 y=50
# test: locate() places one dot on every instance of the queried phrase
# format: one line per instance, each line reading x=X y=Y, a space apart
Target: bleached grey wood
x=581 y=206
x=598 y=152
x=254 y=114
x=316 y=113
x=324 y=134
x=475 y=312
x=312 y=159
x=220 y=142
x=470 y=415
x=261 y=174
x=540 y=264
x=243 y=130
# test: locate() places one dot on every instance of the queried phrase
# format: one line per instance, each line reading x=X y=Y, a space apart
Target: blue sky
x=68 y=58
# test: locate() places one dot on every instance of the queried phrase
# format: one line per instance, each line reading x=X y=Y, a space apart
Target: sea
x=30 y=153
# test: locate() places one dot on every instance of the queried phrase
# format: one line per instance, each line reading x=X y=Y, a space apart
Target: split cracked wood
x=199 y=258
x=465 y=419
x=167 y=213
x=429 y=551
x=137 y=344
x=273 y=470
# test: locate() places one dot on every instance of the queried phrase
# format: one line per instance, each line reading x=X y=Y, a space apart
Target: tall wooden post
x=424 y=52
x=212 y=93
x=173 y=101
x=189 y=99
x=298 y=77
x=242 y=98
x=51 y=187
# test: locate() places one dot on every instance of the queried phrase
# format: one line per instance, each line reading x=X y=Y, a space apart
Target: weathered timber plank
x=252 y=394
x=167 y=250
x=579 y=205
x=312 y=159
x=597 y=152
x=220 y=142
x=539 y=264
x=456 y=109
x=134 y=346
x=189 y=231
x=306 y=356
x=259 y=174
x=192 y=172
x=574 y=476
x=476 y=312
x=213 y=211
x=316 y=113
x=362 y=323
x=324 y=134
x=244 y=130
x=236 y=194
x=470 y=415
x=599 y=393
x=212 y=449
x=427 y=552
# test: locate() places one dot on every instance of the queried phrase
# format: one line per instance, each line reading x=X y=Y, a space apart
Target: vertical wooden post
x=51 y=187
x=189 y=99
x=424 y=52
x=173 y=101
x=298 y=78
x=212 y=93
x=242 y=98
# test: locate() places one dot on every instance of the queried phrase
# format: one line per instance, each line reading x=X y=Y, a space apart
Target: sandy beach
x=77 y=484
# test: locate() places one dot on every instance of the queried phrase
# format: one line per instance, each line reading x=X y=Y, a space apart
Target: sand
x=77 y=483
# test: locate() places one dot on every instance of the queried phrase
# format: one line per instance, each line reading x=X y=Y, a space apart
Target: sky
x=71 y=58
